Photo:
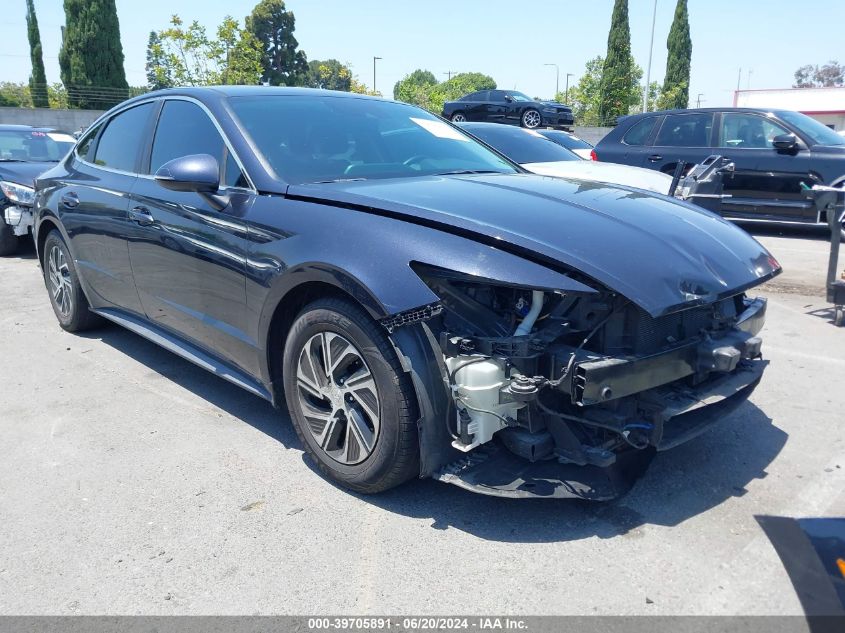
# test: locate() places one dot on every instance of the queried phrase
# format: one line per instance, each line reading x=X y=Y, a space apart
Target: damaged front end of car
x=557 y=393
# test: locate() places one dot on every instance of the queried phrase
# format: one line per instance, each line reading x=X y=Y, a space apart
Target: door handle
x=70 y=200
x=141 y=215
x=655 y=157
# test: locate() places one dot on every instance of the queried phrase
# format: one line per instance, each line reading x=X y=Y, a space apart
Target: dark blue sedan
x=422 y=306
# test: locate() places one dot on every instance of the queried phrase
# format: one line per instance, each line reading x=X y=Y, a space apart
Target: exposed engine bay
x=584 y=379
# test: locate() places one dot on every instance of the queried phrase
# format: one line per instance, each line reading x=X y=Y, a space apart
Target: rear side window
x=640 y=132
x=685 y=130
x=123 y=137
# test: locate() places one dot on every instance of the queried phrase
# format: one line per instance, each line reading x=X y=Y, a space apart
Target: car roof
x=696 y=110
x=244 y=91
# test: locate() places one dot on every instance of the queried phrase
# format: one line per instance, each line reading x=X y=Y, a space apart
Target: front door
x=189 y=258
x=766 y=182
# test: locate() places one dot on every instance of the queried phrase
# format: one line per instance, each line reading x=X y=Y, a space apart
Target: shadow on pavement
x=679 y=484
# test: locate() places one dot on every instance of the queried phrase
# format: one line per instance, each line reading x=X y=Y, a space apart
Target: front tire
x=531 y=119
x=351 y=404
x=66 y=296
x=8 y=240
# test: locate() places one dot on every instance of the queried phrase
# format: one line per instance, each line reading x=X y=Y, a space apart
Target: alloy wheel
x=60 y=283
x=531 y=119
x=338 y=398
x=458 y=118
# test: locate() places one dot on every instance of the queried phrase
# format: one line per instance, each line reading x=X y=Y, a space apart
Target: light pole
x=557 y=78
x=698 y=100
x=566 y=96
x=374 y=72
x=650 y=51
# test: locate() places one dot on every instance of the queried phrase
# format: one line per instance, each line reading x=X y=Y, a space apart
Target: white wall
x=65 y=120
x=825 y=104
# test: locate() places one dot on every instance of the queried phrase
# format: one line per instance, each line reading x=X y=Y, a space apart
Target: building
x=826 y=105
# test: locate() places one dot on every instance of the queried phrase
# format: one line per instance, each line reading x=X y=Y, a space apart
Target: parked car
x=25 y=152
x=422 y=305
x=571 y=142
x=773 y=151
x=539 y=155
x=508 y=106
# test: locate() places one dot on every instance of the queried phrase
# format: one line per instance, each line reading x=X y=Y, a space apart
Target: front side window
x=685 y=130
x=748 y=131
x=85 y=149
x=640 y=132
x=121 y=141
x=310 y=139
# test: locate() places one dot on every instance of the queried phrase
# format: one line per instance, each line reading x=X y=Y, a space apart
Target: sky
x=510 y=40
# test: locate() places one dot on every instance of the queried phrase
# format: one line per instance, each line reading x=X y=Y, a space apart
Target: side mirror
x=785 y=141
x=199 y=173
x=509 y=98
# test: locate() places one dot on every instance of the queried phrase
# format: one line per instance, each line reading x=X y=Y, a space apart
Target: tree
x=91 y=57
x=15 y=95
x=416 y=88
x=679 y=45
x=38 y=78
x=188 y=57
x=831 y=75
x=618 y=68
x=585 y=96
x=273 y=26
x=329 y=75
x=159 y=71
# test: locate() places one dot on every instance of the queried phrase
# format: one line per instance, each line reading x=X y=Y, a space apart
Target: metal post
x=698 y=100
x=566 y=96
x=374 y=72
x=650 y=51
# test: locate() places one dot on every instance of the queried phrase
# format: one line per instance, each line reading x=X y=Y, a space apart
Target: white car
x=536 y=153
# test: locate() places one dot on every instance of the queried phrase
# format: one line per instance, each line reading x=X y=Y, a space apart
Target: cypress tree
x=679 y=45
x=38 y=78
x=91 y=58
x=618 y=67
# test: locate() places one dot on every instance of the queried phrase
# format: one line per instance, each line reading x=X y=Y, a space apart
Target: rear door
x=94 y=202
x=189 y=258
x=683 y=137
x=766 y=182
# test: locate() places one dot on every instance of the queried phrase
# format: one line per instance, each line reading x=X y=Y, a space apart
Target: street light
x=698 y=100
x=374 y=72
x=557 y=78
x=566 y=96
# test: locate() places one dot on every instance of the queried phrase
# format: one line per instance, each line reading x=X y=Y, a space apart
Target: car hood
x=605 y=172
x=661 y=254
x=23 y=173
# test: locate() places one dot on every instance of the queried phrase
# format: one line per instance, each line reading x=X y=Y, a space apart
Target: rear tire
x=459 y=117
x=66 y=296
x=8 y=240
x=357 y=420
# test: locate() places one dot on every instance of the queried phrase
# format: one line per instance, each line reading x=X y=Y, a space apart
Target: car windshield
x=519 y=96
x=819 y=133
x=33 y=145
x=520 y=145
x=567 y=140
x=308 y=139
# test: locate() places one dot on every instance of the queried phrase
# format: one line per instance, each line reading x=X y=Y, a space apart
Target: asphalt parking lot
x=136 y=483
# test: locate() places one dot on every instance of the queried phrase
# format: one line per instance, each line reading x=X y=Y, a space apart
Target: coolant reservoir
x=478 y=384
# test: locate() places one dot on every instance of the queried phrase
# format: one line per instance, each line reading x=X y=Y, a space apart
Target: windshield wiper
x=460 y=172
x=322 y=182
